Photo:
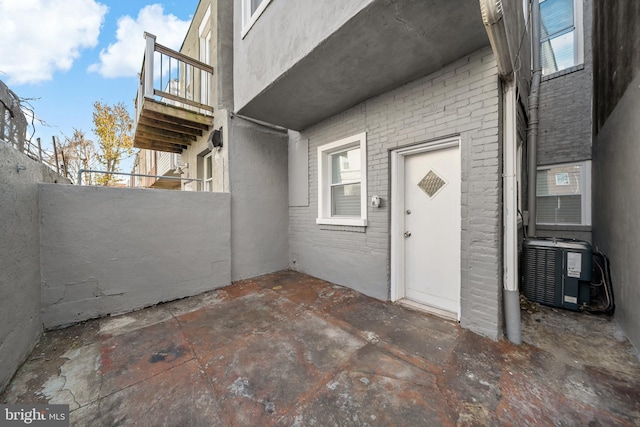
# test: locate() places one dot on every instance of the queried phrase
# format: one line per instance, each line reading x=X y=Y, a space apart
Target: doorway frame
x=398 y=156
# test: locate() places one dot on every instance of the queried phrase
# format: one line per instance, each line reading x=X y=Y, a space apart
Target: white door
x=432 y=228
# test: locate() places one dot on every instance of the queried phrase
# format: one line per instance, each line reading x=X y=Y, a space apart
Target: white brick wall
x=460 y=99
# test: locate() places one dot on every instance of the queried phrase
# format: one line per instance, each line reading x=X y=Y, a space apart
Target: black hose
x=604 y=286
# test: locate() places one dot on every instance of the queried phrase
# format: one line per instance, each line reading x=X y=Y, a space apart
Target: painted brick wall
x=460 y=99
x=565 y=118
x=565 y=135
x=566 y=108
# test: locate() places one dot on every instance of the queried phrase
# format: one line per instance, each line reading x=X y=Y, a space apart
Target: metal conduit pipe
x=534 y=118
x=81 y=171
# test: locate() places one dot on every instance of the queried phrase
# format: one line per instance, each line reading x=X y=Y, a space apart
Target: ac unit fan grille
x=539 y=283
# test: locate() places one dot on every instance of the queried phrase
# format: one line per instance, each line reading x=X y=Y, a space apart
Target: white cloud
x=124 y=57
x=40 y=37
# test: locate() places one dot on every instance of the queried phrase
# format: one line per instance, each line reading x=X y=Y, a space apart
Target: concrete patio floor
x=287 y=349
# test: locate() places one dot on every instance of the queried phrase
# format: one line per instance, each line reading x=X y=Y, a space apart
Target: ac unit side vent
x=539 y=284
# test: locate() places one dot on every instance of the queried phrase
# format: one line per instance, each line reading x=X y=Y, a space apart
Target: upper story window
x=561 y=36
x=208 y=173
x=251 y=11
x=205 y=47
x=342 y=182
x=564 y=194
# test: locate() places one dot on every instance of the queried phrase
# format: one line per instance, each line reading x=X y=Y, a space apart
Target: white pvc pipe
x=511 y=294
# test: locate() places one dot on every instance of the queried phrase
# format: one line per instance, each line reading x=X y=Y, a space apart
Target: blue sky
x=71 y=53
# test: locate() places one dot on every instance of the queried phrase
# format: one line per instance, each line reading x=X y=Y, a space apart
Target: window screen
x=557 y=35
x=345 y=183
x=559 y=195
x=254 y=5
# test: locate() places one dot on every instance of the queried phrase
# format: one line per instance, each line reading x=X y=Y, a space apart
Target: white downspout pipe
x=493 y=19
x=510 y=215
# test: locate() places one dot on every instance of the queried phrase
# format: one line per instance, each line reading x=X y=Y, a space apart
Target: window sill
x=563 y=227
x=564 y=72
x=356 y=222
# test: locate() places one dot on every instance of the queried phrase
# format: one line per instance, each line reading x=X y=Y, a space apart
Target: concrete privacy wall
x=565 y=132
x=616 y=152
x=113 y=250
x=258 y=174
x=20 y=323
x=615 y=190
x=461 y=99
x=13 y=130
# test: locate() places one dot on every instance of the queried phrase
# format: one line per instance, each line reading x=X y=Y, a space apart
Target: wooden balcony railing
x=173 y=104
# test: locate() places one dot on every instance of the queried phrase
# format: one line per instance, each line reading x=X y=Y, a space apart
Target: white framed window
x=563 y=194
x=147 y=161
x=251 y=11
x=561 y=35
x=208 y=173
x=204 y=31
x=342 y=182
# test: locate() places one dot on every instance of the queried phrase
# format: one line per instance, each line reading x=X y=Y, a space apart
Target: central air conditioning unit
x=557 y=272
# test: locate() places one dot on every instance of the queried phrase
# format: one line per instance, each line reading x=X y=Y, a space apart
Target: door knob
x=407 y=234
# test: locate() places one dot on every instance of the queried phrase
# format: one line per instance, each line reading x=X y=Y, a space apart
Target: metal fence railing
x=128 y=184
x=34 y=151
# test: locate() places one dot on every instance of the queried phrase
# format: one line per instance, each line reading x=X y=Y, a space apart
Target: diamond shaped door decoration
x=432 y=183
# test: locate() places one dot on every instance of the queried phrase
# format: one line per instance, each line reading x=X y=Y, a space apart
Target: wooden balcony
x=167 y=165
x=173 y=103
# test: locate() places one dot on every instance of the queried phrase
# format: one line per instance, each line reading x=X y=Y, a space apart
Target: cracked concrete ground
x=290 y=350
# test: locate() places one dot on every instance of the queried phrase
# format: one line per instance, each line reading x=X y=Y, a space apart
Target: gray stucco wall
x=20 y=323
x=615 y=189
x=616 y=53
x=113 y=250
x=298 y=170
x=515 y=27
x=461 y=99
x=258 y=174
x=224 y=46
x=286 y=32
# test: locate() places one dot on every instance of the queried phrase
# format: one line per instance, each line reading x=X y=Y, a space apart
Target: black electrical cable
x=524 y=229
x=602 y=263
